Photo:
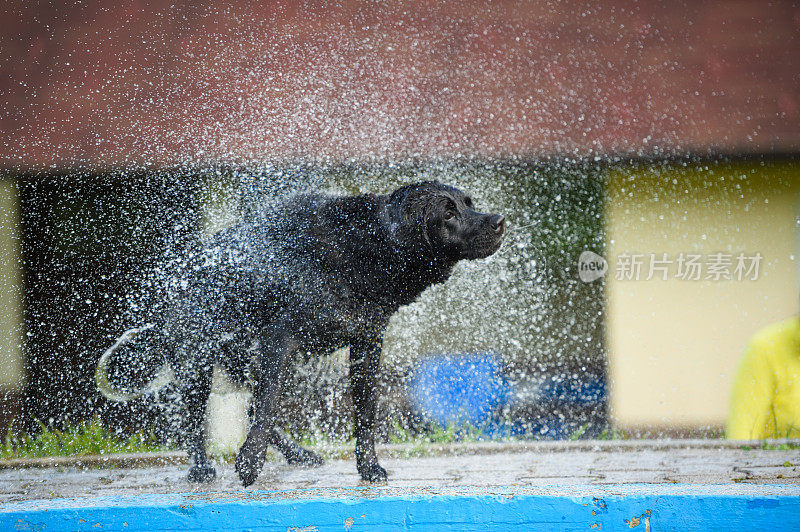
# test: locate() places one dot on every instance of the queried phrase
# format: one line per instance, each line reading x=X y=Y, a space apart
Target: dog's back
x=303 y=255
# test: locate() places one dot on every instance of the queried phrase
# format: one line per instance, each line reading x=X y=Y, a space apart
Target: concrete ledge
x=588 y=507
x=404 y=449
x=617 y=485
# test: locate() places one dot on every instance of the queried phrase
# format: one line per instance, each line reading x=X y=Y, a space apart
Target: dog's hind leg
x=292 y=451
x=195 y=388
x=270 y=365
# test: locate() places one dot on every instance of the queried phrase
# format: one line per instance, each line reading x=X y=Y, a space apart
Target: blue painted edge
x=589 y=507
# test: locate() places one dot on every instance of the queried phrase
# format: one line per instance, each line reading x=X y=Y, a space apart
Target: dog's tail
x=130 y=368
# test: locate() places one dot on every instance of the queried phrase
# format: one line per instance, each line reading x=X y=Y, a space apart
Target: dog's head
x=443 y=220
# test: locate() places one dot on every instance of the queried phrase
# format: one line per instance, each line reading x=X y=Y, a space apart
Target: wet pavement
x=483 y=465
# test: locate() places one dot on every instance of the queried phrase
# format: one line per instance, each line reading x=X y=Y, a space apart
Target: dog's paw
x=372 y=472
x=248 y=468
x=204 y=473
x=306 y=458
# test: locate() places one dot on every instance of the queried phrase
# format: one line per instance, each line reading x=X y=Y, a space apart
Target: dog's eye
x=449 y=215
x=468 y=202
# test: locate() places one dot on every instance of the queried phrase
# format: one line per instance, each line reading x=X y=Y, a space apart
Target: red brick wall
x=124 y=81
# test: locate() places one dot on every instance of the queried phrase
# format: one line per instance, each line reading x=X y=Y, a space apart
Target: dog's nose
x=497 y=222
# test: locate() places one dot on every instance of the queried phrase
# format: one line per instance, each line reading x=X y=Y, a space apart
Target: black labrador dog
x=312 y=274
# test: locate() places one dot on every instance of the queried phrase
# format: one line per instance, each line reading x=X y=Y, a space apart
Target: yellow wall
x=11 y=325
x=674 y=345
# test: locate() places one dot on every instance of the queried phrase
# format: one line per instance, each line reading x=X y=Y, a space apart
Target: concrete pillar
x=12 y=362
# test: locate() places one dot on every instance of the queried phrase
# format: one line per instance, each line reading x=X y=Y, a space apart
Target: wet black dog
x=314 y=273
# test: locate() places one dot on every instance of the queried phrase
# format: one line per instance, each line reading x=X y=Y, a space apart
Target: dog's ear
x=395 y=203
x=408 y=215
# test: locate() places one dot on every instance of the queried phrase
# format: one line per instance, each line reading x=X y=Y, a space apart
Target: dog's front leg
x=270 y=364
x=195 y=388
x=365 y=357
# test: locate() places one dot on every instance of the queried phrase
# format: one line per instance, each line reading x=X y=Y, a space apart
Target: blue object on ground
x=459 y=388
x=607 y=508
x=586 y=390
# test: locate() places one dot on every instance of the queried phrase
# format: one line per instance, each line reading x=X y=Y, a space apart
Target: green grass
x=613 y=434
x=414 y=443
x=92 y=438
x=575 y=436
x=86 y=438
x=437 y=434
x=779 y=446
x=425 y=443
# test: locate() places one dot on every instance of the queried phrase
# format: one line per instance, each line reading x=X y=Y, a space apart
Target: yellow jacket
x=765 y=402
